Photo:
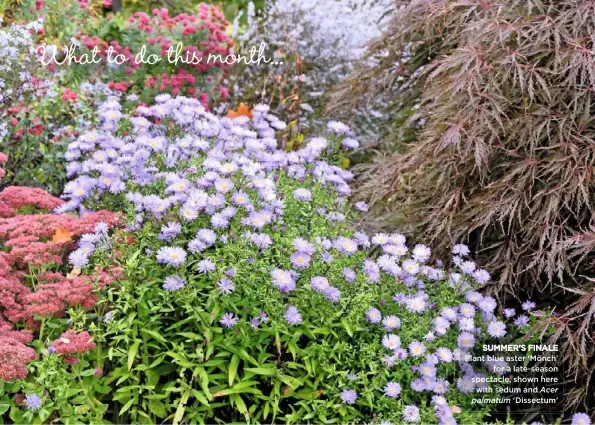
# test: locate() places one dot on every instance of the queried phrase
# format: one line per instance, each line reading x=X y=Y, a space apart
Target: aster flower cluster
x=45 y=104
x=88 y=243
x=226 y=217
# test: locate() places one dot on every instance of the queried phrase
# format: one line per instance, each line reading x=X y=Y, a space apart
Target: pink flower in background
x=3 y=159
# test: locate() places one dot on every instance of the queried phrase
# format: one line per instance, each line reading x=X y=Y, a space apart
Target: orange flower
x=62 y=236
x=241 y=111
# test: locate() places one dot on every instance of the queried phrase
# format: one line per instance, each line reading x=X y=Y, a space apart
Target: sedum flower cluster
x=32 y=290
x=245 y=271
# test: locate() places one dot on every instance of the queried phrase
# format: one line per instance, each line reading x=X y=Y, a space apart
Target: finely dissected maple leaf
x=62 y=235
x=241 y=111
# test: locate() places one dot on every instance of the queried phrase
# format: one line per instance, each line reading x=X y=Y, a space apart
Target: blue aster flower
x=33 y=402
x=173 y=283
x=348 y=396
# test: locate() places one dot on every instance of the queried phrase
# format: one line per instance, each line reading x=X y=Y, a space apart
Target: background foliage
x=317 y=45
x=504 y=155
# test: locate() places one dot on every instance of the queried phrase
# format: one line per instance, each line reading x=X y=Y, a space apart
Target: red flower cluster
x=14 y=198
x=12 y=295
x=41 y=239
x=30 y=236
x=202 y=34
x=121 y=87
x=24 y=118
x=209 y=19
x=180 y=82
x=102 y=278
x=3 y=159
x=69 y=95
x=56 y=293
x=14 y=356
x=52 y=296
x=23 y=336
x=71 y=343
